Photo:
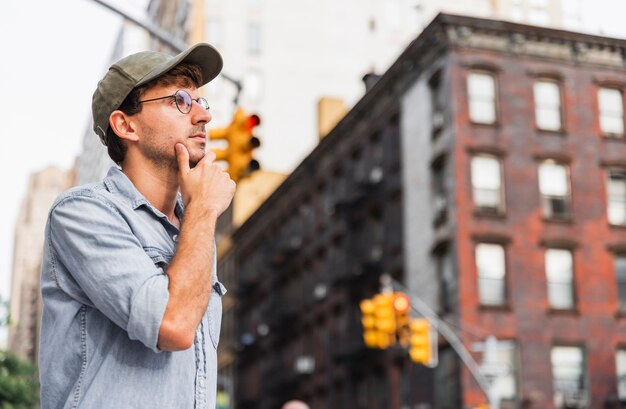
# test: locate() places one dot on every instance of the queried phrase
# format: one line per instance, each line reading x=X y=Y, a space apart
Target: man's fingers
x=209 y=157
x=182 y=156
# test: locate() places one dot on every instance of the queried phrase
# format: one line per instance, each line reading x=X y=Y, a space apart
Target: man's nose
x=199 y=114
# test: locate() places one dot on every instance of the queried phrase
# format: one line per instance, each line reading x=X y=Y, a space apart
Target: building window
x=568 y=376
x=254 y=38
x=504 y=357
x=447 y=281
x=555 y=191
x=616 y=200
x=620 y=364
x=447 y=385
x=481 y=88
x=491 y=273
x=253 y=86
x=611 y=107
x=547 y=105
x=214 y=31
x=437 y=102
x=487 y=192
x=439 y=191
x=560 y=277
x=620 y=276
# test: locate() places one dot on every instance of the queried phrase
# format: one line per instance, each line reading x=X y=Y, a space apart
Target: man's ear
x=122 y=125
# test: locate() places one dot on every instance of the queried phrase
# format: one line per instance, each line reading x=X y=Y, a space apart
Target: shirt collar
x=117 y=182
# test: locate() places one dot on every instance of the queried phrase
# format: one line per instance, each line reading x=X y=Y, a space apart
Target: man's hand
x=207 y=184
x=207 y=191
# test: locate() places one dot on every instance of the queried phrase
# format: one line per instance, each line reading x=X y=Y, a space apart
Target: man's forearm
x=189 y=279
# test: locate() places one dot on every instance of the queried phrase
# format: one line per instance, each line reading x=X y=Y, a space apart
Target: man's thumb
x=182 y=156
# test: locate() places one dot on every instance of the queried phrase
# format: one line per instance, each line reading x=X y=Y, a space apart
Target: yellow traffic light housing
x=402 y=309
x=385 y=319
x=241 y=142
x=370 y=336
x=378 y=321
x=422 y=342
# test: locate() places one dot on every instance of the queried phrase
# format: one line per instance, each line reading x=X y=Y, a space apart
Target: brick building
x=486 y=170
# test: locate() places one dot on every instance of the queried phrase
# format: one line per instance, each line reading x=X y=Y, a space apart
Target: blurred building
x=93 y=161
x=289 y=55
x=485 y=170
x=25 y=304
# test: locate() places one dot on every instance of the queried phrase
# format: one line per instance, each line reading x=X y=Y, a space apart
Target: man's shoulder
x=82 y=196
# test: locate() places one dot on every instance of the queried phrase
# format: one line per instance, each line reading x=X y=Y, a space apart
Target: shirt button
x=175 y=237
x=201 y=382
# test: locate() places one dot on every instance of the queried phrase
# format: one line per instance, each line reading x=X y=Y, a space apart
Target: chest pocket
x=214 y=312
x=160 y=258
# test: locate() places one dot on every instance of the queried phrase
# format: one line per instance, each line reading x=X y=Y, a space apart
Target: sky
x=53 y=54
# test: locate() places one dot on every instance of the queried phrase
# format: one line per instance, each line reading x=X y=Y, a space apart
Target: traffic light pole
x=166 y=38
x=449 y=335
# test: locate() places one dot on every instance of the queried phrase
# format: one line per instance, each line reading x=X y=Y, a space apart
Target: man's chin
x=195 y=158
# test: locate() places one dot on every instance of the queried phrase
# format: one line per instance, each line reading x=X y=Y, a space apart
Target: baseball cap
x=140 y=68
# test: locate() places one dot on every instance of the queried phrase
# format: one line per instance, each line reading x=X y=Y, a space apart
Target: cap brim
x=202 y=54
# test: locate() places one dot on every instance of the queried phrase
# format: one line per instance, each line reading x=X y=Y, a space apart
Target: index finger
x=208 y=158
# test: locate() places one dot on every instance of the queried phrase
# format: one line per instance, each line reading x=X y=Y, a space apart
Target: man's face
x=161 y=126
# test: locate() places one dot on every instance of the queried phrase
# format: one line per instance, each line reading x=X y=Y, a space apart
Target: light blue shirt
x=105 y=289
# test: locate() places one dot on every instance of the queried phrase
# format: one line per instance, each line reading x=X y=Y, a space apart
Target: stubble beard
x=163 y=156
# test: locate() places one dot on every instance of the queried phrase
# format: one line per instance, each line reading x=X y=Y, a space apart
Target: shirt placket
x=199 y=345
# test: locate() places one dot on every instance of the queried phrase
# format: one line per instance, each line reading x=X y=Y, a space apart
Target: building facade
x=290 y=55
x=25 y=304
x=485 y=170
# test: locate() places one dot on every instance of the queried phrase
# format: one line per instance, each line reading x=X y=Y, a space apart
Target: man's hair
x=183 y=75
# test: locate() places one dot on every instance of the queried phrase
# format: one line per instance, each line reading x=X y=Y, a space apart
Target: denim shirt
x=105 y=289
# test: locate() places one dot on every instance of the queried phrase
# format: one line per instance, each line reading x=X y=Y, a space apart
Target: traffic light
x=402 y=309
x=370 y=336
x=422 y=342
x=378 y=321
x=385 y=319
x=241 y=143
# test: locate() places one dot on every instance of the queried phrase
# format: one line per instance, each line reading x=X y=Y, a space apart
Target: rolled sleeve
x=147 y=311
x=108 y=265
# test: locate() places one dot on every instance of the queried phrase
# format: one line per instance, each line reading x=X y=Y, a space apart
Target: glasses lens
x=203 y=103
x=183 y=101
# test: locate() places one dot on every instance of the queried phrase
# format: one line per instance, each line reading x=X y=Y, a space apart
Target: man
x=132 y=303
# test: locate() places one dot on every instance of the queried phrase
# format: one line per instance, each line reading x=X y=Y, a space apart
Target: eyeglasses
x=183 y=101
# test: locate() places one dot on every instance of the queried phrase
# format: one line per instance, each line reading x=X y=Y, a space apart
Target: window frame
x=561 y=110
x=584 y=376
x=572 y=282
x=503 y=281
x=610 y=172
x=439 y=190
x=500 y=209
x=621 y=304
x=437 y=102
x=545 y=199
x=496 y=111
x=620 y=348
x=254 y=38
x=620 y=90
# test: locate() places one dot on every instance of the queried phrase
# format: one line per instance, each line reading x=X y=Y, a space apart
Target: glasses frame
x=200 y=100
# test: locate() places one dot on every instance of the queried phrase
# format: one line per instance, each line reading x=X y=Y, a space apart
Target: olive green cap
x=141 y=68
